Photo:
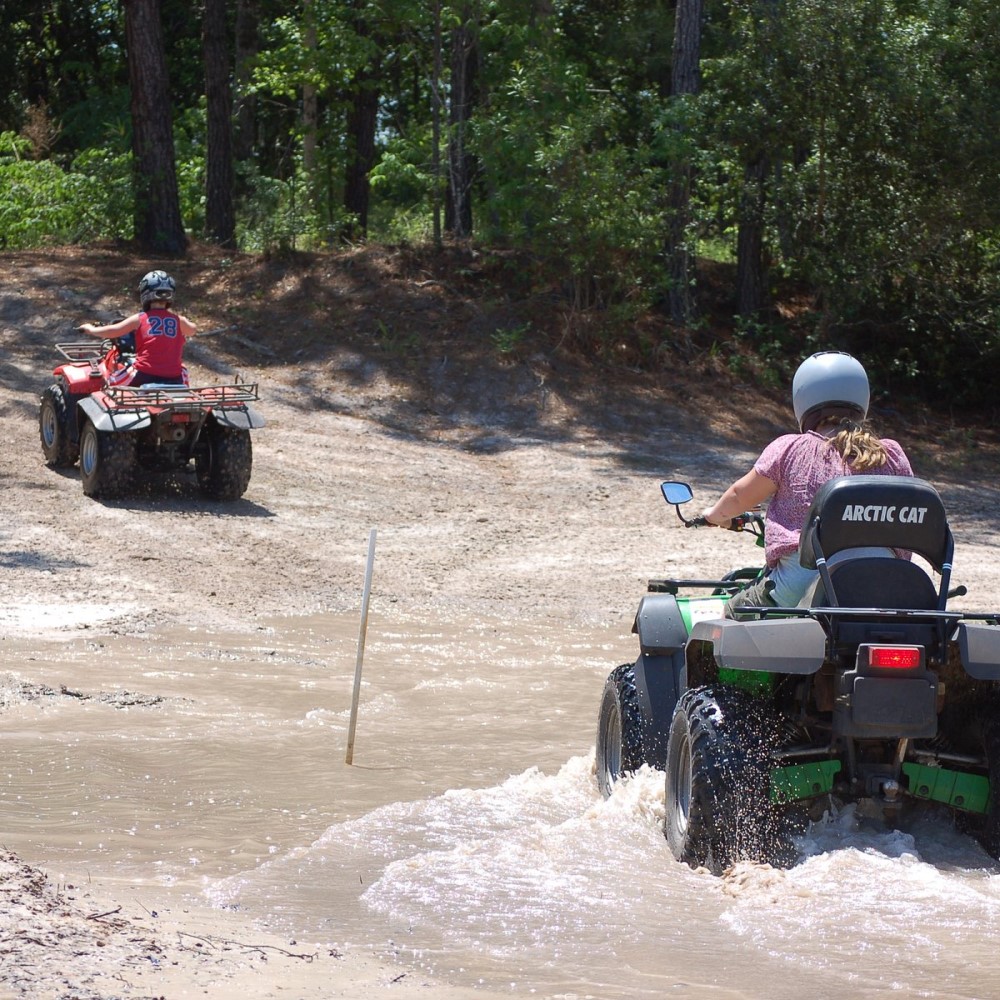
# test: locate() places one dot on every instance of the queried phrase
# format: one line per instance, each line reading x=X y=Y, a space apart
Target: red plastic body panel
x=80 y=380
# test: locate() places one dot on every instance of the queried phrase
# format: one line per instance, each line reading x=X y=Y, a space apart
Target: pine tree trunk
x=436 y=102
x=310 y=112
x=247 y=47
x=158 y=225
x=461 y=165
x=220 y=217
x=361 y=123
x=685 y=81
x=750 y=277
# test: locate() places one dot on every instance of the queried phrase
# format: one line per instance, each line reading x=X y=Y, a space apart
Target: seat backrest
x=878 y=583
x=900 y=512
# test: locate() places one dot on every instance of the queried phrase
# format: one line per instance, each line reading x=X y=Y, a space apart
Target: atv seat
x=876 y=582
x=898 y=512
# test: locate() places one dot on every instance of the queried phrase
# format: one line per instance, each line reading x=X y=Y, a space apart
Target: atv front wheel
x=718 y=808
x=619 y=736
x=107 y=462
x=53 y=429
x=224 y=463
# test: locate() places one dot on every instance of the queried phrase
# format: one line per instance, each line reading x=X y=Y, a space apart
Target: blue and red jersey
x=159 y=343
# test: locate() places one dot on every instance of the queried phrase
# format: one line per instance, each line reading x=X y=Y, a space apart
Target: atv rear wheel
x=107 y=462
x=53 y=429
x=619 y=734
x=225 y=461
x=718 y=808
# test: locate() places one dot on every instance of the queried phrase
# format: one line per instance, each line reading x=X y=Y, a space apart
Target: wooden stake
x=361 y=648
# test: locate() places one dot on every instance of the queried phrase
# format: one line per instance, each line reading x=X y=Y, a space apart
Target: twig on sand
x=107 y=913
x=213 y=942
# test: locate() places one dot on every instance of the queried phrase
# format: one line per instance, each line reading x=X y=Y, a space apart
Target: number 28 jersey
x=159 y=343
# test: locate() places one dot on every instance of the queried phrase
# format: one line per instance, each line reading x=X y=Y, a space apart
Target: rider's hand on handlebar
x=713 y=522
x=740 y=522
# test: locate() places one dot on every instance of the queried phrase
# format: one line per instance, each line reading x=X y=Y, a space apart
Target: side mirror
x=676 y=493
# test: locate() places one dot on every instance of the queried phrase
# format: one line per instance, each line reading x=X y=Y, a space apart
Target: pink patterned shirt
x=799 y=464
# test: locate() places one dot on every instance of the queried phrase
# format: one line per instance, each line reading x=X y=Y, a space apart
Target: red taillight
x=894 y=657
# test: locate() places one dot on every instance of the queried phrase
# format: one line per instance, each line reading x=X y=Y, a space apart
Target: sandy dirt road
x=497 y=489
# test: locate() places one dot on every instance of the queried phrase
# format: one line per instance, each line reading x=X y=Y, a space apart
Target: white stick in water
x=361 y=648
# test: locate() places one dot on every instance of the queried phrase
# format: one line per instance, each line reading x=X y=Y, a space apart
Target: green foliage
x=45 y=204
x=275 y=215
x=879 y=146
x=109 y=191
x=507 y=340
x=770 y=349
x=190 y=137
x=403 y=185
x=558 y=181
x=863 y=134
x=270 y=218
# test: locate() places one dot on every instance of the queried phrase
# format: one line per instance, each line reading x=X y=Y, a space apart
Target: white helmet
x=156 y=286
x=830 y=383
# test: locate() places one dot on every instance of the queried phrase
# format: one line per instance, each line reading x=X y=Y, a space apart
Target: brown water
x=468 y=839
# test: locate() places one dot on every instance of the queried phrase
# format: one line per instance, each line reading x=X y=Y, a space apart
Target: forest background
x=738 y=181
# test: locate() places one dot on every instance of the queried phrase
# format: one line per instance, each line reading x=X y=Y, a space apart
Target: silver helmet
x=156 y=286
x=830 y=383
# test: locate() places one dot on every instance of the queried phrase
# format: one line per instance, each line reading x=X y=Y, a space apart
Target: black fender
x=979 y=650
x=660 y=674
x=114 y=420
x=72 y=406
x=243 y=418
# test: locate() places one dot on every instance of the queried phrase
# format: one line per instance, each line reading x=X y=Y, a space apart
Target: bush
x=45 y=204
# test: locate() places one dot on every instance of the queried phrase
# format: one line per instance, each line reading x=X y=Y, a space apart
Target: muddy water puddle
x=468 y=839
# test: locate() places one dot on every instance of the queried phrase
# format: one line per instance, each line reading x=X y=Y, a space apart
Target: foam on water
x=536 y=872
x=539 y=873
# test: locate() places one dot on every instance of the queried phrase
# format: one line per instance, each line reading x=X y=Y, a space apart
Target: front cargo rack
x=82 y=350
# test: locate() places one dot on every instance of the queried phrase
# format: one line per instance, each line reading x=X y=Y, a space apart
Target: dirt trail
x=495 y=487
x=489 y=486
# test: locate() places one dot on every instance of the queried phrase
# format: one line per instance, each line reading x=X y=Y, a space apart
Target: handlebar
x=747 y=521
x=676 y=494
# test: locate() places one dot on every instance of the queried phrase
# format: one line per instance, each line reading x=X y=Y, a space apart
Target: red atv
x=117 y=433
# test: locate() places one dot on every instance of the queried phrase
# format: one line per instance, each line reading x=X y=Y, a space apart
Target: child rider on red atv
x=160 y=334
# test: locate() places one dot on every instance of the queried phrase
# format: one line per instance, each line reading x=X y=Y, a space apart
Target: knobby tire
x=619 y=750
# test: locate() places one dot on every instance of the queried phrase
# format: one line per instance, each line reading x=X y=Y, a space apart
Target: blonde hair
x=858 y=446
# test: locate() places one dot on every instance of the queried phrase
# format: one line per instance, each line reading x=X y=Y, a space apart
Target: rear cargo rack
x=848 y=614
x=182 y=397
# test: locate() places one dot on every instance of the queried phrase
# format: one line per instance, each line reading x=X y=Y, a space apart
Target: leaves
x=863 y=132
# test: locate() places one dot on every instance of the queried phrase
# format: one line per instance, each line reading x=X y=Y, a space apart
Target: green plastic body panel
x=696 y=609
x=968 y=792
x=751 y=681
x=803 y=781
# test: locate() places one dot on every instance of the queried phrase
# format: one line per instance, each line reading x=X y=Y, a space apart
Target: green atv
x=870 y=689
